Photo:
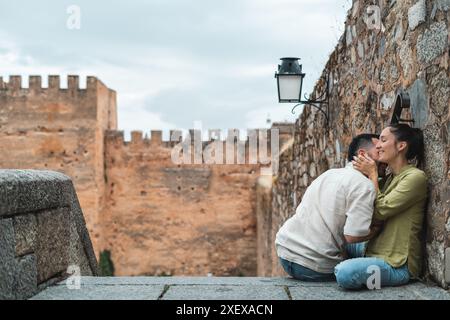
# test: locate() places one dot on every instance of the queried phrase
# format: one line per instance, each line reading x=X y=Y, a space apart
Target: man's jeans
x=301 y=273
x=354 y=273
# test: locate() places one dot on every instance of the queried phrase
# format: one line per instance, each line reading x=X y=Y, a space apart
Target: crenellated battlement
x=55 y=104
x=258 y=146
x=155 y=138
x=15 y=84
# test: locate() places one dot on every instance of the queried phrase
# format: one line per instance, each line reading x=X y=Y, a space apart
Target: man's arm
x=360 y=206
x=374 y=230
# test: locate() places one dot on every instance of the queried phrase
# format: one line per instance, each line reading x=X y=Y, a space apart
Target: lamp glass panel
x=289 y=87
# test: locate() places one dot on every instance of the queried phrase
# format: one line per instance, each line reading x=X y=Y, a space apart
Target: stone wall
x=154 y=216
x=408 y=51
x=42 y=232
x=59 y=129
x=164 y=218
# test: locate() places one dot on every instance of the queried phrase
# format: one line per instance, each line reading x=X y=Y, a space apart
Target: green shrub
x=106 y=264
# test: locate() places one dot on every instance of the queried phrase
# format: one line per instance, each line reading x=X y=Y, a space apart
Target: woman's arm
x=411 y=189
x=408 y=191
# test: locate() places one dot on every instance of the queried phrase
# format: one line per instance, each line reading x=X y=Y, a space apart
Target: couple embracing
x=351 y=221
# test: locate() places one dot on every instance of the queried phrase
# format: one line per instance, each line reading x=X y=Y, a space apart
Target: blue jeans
x=354 y=273
x=301 y=273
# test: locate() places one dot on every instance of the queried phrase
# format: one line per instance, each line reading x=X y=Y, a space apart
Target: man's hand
x=376 y=227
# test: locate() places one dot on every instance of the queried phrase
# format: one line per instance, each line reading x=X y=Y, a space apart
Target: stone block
x=414 y=291
x=443 y=5
x=77 y=253
x=405 y=54
x=25 y=228
x=25 y=283
x=440 y=92
x=433 y=42
x=387 y=100
x=32 y=190
x=224 y=292
x=419 y=103
x=348 y=36
x=353 y=55
x=7 y=259
x=447 y=265
x=53 y=234
x=360 y=50
x=417 y=14
x=99 y=292
x=79 y=232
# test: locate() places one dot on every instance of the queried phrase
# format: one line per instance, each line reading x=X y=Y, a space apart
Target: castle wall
x=367 y=69
x=155 y=216
x=178 y=219
x=59 y=129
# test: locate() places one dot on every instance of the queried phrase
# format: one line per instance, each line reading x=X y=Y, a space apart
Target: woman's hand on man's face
x=365 y=165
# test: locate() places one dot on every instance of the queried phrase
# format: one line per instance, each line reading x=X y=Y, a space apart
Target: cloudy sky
x=175 y=63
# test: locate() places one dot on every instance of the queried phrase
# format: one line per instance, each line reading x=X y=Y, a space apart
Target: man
x=335 y=210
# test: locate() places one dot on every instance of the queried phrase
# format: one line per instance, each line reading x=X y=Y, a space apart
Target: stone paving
x=229 y=288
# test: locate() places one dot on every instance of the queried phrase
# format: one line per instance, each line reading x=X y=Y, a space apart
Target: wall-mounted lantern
x=290 y=81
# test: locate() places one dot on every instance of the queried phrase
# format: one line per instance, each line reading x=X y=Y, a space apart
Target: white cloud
x=175 y=62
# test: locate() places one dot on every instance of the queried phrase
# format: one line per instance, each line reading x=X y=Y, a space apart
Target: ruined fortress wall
x=155 y=216
x=59 y=129
x=165 y=218
x=409 y=51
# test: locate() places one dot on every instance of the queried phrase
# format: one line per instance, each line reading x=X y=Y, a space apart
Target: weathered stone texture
x=25 y=227
x=7 y=271
x=164 y=218
x=37 y=244
x=433 y=42
x=417 y=14
x=52 y=243
x=397 y=58
x=61 y=130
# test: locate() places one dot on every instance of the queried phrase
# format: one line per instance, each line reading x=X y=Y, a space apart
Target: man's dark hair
x=361 y=141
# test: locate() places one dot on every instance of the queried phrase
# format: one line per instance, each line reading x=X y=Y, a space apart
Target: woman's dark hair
x=414 y=139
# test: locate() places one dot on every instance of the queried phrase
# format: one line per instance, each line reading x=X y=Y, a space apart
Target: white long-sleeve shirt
x=338 y=202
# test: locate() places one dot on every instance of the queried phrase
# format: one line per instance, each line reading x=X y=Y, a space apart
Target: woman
x=395 y=254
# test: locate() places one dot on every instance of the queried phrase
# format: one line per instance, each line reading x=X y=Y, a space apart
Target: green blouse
x=401 y=204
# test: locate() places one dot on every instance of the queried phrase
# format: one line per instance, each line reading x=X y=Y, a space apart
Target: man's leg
x=354 y=273
x=356 y=250
x=301 y=273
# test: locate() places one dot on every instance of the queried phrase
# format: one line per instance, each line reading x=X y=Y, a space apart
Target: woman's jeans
x=301 y=273
x=372 y=272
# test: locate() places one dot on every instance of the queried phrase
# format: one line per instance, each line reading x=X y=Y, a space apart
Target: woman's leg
x=355 y=273
x=301 y=273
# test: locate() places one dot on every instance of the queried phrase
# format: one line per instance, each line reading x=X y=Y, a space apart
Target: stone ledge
x=230 y=288
x=24 y=191
x=42 y=232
